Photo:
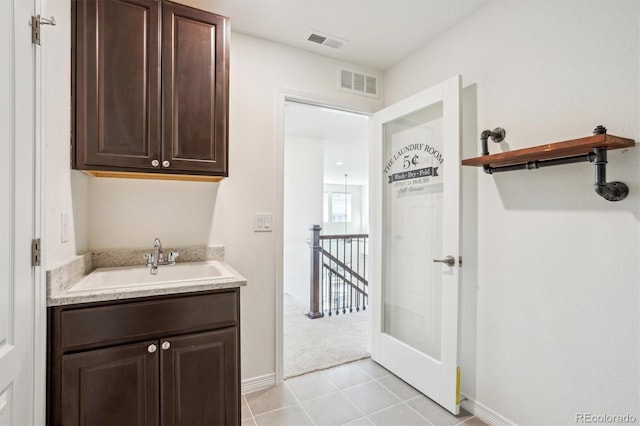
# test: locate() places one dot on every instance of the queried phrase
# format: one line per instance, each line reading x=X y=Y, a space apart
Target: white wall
x=130 y=213
x=65 y=190
x=123 y=213
x=555 y=305
x=302 y=208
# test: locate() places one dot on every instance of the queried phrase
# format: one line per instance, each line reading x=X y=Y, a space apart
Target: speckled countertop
x=62 y=279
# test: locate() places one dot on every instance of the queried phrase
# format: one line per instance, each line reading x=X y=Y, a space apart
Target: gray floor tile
x=437 y=415
x=289 y=416
x=346 y=375
x=400 y=414
x=331 y=410
x=246 y=413
x=372 y=368
x=399 y=387
x=310 y=386
x=269 y=399
x=362 y=421
x=361 y=393
x=370 y=397
x=473 y=421
x=248 y=422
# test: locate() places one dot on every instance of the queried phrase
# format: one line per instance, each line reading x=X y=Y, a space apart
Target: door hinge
x=36 y=22
x=36 y=252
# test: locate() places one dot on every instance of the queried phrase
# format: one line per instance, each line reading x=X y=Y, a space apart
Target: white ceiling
x=344 y=136
x=378 y=32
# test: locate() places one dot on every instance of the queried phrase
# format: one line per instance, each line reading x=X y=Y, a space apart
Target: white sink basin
x=139 y=276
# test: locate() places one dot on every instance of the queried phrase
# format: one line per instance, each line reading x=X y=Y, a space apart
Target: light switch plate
x=263 y=222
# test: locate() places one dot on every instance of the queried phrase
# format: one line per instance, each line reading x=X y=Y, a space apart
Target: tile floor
x=357 y=393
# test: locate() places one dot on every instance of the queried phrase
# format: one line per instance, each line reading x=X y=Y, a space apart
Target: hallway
x=311 y=345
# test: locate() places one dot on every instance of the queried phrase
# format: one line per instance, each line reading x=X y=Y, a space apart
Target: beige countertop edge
x=66 y=298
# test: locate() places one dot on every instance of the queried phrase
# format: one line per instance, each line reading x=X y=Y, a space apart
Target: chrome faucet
x=156 y=258
x=158 y=255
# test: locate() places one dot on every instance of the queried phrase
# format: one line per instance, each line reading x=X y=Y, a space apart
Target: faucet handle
x=149 y=258
x=173 y=255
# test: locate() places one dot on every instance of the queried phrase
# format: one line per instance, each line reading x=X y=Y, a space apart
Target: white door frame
x=282 y=96
x=40 y=290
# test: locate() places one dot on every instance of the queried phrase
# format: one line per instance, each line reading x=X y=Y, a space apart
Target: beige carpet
x=311 y=345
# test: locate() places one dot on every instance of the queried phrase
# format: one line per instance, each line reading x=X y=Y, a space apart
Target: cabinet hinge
x=36 y=23
x=36 y=252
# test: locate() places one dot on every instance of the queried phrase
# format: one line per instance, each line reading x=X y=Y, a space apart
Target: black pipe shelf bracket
x=592 y=149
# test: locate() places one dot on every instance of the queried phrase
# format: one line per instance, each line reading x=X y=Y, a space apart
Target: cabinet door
x=200 y=378
x=114 y=386
x=195 y=74
x=117 y=84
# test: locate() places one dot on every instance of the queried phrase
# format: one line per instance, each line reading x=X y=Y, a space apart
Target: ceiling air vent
x=357 y=82
x=326 y=40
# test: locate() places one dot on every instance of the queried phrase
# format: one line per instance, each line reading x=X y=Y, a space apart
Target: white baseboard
x=485 y=413
x=258 y=383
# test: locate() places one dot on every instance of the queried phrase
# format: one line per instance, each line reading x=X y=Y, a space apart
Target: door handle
x=449 y=260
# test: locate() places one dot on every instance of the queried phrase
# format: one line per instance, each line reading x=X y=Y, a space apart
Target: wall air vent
x=316 y=38
x=325 y=40
x=357 y=82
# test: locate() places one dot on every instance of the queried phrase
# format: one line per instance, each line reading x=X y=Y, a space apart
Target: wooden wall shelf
x=592 y=149
x=551 y=151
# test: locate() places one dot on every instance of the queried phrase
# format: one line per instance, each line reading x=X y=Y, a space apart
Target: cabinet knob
x=166 y=345
x=152 y=348
x=155 y=163
x=166 y=163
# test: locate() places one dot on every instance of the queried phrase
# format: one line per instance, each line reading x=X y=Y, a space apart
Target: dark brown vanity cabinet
x=150 y=88
x=164 y=361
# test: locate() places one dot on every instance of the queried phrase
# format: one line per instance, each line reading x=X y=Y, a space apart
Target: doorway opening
x=326 y=199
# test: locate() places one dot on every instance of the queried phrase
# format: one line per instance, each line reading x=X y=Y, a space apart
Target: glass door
x=416 y=175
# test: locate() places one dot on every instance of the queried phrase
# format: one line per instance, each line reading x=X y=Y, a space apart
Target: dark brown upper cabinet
x=150 y=89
